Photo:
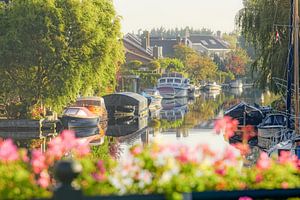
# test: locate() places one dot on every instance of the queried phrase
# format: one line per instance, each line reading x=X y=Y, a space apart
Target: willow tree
x=265 y=25
x=53 y=50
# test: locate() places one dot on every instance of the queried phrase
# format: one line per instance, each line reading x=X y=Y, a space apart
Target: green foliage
x=153 y=65
x=171 y=64
x=198 y=67
x=257 y=21
x=133 y=65
x=52 y=51
x=17 y=182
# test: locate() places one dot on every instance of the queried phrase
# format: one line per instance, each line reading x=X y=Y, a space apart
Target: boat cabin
x=173 y=80
x=95 y=105
x=127 y=103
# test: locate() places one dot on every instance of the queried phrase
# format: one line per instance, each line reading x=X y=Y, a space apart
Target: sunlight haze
x=146 y=14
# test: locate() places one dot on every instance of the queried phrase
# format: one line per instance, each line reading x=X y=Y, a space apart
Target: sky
x=146 y=14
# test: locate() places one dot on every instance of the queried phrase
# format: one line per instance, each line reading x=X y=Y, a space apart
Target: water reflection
x=186 y=120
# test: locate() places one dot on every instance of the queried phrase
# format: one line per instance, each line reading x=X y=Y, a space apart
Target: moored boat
x=245 y=114
x=270 y=128
x=79 y=117
x=212 y=86
x=95 y=105
x=173 y=85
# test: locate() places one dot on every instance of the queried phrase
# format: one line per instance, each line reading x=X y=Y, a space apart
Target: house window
x=212 y=41
x=204 y=42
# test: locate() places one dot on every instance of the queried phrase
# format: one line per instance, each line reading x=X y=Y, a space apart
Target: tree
x=237 y=61
x=54 y=50
x=171 y=64
x=199 y=67
x=257 y=22
x=231 y=39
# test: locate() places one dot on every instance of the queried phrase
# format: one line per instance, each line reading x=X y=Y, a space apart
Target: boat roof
x=91 y=98
x=242 y=104
x=126 y=98
x=174 y=74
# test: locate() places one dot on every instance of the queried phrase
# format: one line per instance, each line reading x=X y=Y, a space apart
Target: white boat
x=156 y=98
x=173 y=85
x=236 y=84
x=270 y=128
x=213 y=86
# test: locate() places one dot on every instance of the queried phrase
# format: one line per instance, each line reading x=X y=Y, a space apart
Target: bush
x=157 y=168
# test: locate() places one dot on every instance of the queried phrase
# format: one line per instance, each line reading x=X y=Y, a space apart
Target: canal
x=182 y=120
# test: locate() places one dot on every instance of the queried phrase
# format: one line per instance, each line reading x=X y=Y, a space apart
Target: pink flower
x=227 y=126
x=286 y=157
x=263 y=162
x=221 y=171
x=259 y=178
x=243 y=148
x=82 y=147
x=245 y=198
x=8 y=151
x=136 y=150
x=101 y=167
x=44 y=179
x=38 y=161
x=184 y=154
x=284 y=185
x=68 y=139
x=55 y=148
x=230 y=155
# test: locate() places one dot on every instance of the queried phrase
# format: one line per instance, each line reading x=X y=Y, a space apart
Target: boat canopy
x=122 y=99
x=245 y=113
x=90 y=101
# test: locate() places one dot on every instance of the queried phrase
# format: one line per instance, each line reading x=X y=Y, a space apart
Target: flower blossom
x=245 y=198
x=44 y=179
x=8 y=151
x=38 y=161
x=226 y=126
x=263 y=162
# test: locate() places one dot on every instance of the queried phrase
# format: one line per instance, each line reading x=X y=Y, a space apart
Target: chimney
x=157 y=52
x=178 y=39
x=146 y=39
x=219 y=34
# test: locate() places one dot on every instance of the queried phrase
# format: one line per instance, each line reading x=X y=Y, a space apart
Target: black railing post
x=65 y=172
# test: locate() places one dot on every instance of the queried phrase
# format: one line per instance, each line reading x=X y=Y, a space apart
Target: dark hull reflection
x=85 y=132
x=126 y=126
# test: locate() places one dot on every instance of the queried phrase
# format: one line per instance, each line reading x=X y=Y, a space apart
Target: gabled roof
x=167 y=44
x=209 y=42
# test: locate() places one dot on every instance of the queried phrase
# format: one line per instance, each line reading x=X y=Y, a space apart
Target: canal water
x=182 y=120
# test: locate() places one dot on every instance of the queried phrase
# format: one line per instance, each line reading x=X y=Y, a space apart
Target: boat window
x=71 y=111
x=185 y=81
x=170 y=80
x=81 y=113
x=177 y=81
x=162 y=80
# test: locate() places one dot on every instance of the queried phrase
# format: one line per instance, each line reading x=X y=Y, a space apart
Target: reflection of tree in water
x=115 y=149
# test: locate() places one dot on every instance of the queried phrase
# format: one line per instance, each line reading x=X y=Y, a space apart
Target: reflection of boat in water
x=168 y=104
x=193 y=91
x=126 y=126
x=236 y=91
x=174 y=109
x=79 y=117
x=236 y=84
x=212 y=87
x=126 y=104
x=173 y=85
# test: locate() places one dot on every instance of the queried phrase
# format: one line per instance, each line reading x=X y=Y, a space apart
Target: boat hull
x=268 y=135
x=70 y=122
x=167 y=92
